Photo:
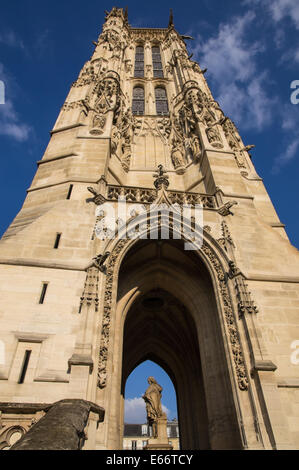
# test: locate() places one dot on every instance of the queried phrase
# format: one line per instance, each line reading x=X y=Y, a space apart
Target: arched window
x=157 y=62
x=139 y=62
x=161 y=101
x=138 y=100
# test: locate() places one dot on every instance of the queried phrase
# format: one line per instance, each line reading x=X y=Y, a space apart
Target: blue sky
x=251 y=50
x=136 y=386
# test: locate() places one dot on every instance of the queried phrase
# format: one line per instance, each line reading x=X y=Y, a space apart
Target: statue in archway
x=152 y=398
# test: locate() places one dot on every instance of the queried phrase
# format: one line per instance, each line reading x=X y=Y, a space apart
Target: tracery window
x=161 y=101
x=157 y=62
x=139 y=62
x=138 y=100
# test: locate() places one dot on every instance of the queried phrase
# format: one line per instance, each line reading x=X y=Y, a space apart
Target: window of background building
x=134 y=445
x=144 y=430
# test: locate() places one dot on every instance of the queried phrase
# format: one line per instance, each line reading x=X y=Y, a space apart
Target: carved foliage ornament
x=245 y=302
x=105 y=329
x=231 y=326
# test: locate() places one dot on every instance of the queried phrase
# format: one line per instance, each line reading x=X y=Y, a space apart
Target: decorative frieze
x=230 y=321
x=106 y=322
x=148 y=196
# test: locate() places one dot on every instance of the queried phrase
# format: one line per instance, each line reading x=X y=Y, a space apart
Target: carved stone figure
x=177 y=154
x=152 y=398
x=214 y=137
x=127 y=125
x=195 y=147
x=115 y=136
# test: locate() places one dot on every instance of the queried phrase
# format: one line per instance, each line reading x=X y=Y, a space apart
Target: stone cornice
x=41 y=264
x=270 y=278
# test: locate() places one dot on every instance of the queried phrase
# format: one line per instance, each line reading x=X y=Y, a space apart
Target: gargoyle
x=98 y=262
x=184 y=36
x=98 y=199
x=225 y=209
x=248 y=147
x=92 y=191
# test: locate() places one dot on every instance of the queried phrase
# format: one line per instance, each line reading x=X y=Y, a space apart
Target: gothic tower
x=81 y=308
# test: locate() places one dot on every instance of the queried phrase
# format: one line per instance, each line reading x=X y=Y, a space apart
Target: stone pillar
x=161 y=441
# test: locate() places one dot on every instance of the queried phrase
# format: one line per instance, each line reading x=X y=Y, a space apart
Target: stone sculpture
x=152 y=398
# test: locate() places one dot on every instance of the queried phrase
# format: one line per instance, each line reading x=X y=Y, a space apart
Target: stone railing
x=148 y=196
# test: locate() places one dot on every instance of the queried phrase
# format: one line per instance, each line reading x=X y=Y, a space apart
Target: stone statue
x=152 y=398
x=177 y=154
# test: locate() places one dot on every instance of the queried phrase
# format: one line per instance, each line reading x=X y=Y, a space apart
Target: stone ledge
x=40 y=264
x=263 y=366
x=66 y=128
x=288 y=382
x=23 y=408
x=57 y=378
x=57 y=157
x=81 y=360
x=269 y=278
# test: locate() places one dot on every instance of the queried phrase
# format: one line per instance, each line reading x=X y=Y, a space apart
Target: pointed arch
x=203 y=292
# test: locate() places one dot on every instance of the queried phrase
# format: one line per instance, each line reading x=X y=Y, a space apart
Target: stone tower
x=79 y=310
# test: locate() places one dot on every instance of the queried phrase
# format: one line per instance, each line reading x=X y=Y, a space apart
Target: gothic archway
x=185 y=336
x=199 y=280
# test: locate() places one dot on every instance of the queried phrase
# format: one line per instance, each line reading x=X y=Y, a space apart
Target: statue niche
x=108 y=100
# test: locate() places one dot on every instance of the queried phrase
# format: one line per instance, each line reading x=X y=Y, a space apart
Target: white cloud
x=290 y=117
x=10 y=124
x=232 y=63
x=227 y=55
x=135 y=411
x=281 y=9
x=10 y=38
x=290 y=125
x=291 y=152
